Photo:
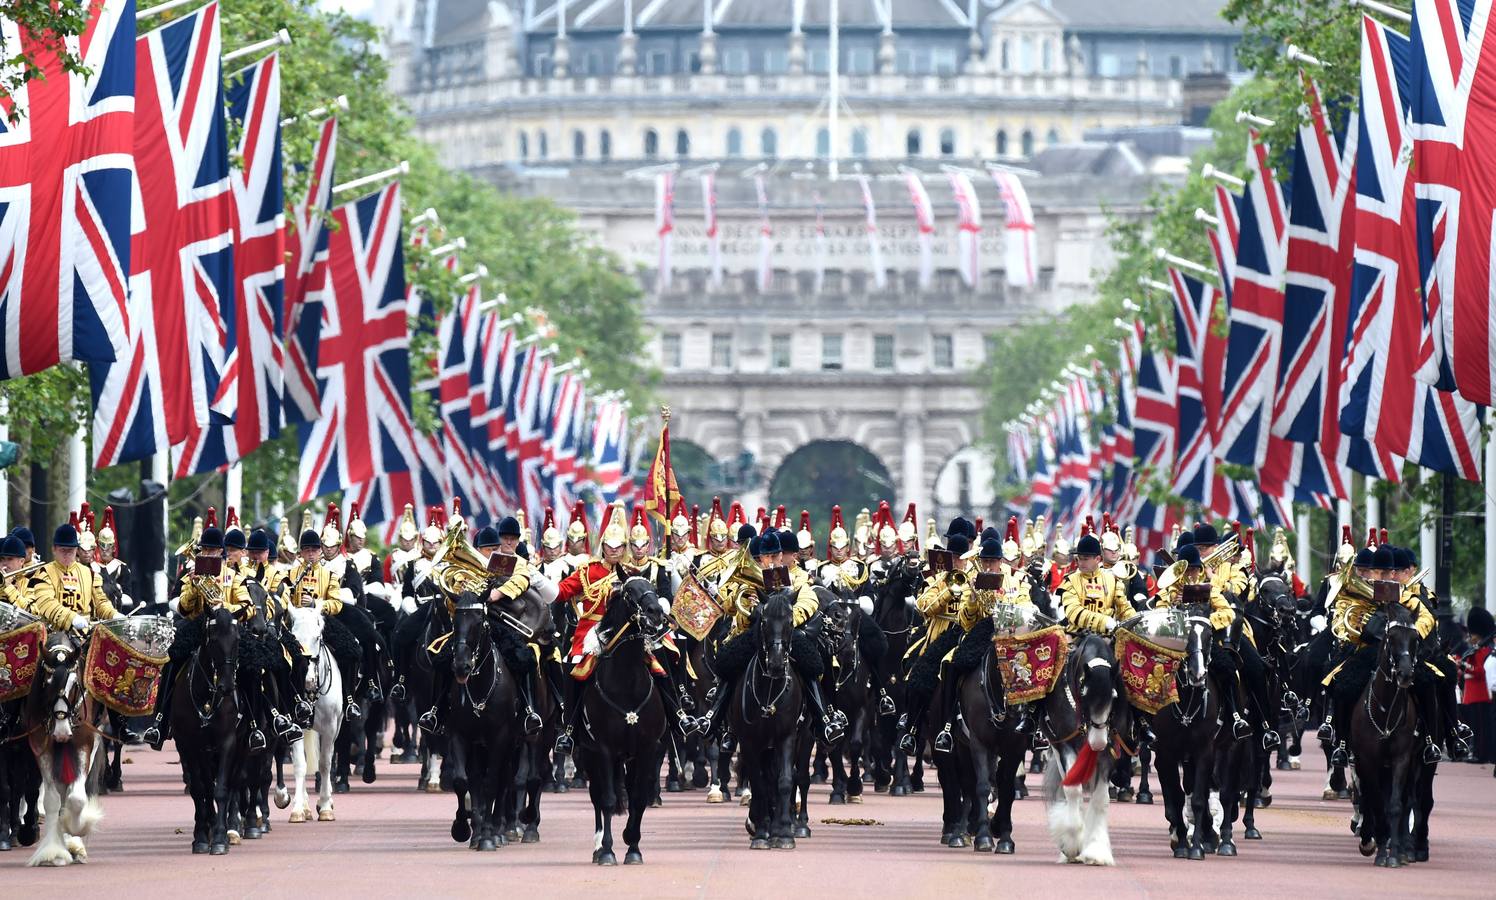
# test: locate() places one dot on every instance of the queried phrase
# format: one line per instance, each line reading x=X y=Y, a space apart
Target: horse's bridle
x=1389 y=676
x=479 y=656
x=206 y=710
x=72 y=690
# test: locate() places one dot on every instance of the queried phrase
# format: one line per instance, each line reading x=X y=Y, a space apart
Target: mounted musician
x=946 y=584
x=847 y=576
x=1094 y=599
x=65 y=592
x=999 y=577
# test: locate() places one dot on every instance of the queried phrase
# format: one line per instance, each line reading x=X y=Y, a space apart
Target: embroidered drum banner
x=20 y=649
x=693 y=609
x=1147 y=671
x=1031 y=663
x=118 y=675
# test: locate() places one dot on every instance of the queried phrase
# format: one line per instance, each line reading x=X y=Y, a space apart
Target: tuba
x=457 y=567
x=1351 y=604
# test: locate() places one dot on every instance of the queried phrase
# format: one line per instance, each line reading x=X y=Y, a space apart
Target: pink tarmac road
x=390 y=841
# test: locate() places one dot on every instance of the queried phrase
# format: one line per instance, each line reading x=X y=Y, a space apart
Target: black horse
x=1184 y=742
x=622 y=741
x=1383 y=738
x=764 y=713
x=483 y=724
x=205 y=723
x=896 y=618
x=851 y=691
x=991 y=747
x=20 y=780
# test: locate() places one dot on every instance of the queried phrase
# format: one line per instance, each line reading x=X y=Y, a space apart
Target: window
x=1176 y=66
x=542 y=65
x=651 y=143
x=542 y=146
x=1052 y=138
x=670 y=350
x=823 y=143
x=1006 y=61
x=721 y=350
x=735 y=61
x=908 y=61
x=1028 y=142
x=657 y=63
x=524 y=146
x=605 y=145
x=693 y=62
x=776 y=61
x=883 y=352
x=578 y=145
x=947 y=142
x=592 y=64
x=682 y=143
x=820 y=61
x=942 y=353
x=1002 y=142
x=779 y=351
x=911 y=142
x=943 y=60
x=831 y=351
x=1048 y=61
x=768 y=143
x=734 y=142
x=860 y=61
x=1025 y=54
x=859 y=143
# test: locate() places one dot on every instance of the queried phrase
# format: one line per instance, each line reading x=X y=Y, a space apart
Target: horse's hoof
x=297 y=817
x=802 y=831
x=633 y=858
x=340 y=786
x=1262 y=802
x=898 y=790
x=1343 y=794
x=462 y=830
x=758 y=844
x=1144 y=798
x=218 y=849
x=199 y=847
x=282 y=798
x=234 y=839
x=326 y=815
x=672 y=786
x=5 y=844
x=1252 y=834
x=747 y=799
x=1183 y=852
x=1021 y=792
x=1393 y=862
x=1006 y=847
x=1329 y=794
x=513 y=834
x=531 y=836
x=252 y=833
x=1227 y=848
x=1381 y=861
x=486 y=844
x=368 y=773
x=982 y=844
x=606 y=858
x=656 y=803
x=1420 y=855
x=782 y=843
x=837 y=799
x=714 y=795
x=1126 y=795
x=560 y=788
x=916 y=787
x=957 y=842
x=855 y=798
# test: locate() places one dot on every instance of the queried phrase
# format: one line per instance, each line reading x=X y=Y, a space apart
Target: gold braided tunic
x=1090 y=599
x=938 y=603
x=1346 y=603
x=60 y=592
x=317 y=590
x=192 y=602
x=1221 y=613
x=978 y=605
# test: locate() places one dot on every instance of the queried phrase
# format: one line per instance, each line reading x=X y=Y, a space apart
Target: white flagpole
x=161 y=474
x=233 y=488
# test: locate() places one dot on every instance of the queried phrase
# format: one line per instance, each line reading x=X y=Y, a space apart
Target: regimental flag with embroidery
x=660 y=489
x=363 y=371
x=182 y=263
x=249 y=394
x=1385 y=402
x=67 y=175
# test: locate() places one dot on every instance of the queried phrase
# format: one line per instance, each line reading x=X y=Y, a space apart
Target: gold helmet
x=639 y=532
x=1012 y=550
x=433 y=532
x=909 y=528
x=1346 y=551
x=680 y=522
x=332 y=532
x=288 y=541
x=524 y=526
x=576 y=530
x=550 y=535
x=716 y=526
x=408 y=530
x=1061 y=549
x=887 y=534
x=932 y=536
x=838 y=538
x=862 y=529
x=614 y=534
x=1130 y=546
x=356 y=526
x=107 y=535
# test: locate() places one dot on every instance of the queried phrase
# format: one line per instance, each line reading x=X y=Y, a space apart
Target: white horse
x=1078 y=722
x=326 y=684
x=63 y=721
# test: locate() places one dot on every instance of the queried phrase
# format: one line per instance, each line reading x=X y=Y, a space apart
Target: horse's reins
x=1388 y=709
x=630 y=716
x=215 y=695
x=1202 y=693
x=479 y=657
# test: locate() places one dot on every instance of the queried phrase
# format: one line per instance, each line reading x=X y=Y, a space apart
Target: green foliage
x=576 y=292
x=47 y=25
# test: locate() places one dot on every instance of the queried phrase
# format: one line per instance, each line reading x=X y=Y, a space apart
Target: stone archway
x=823 y=473
x=963 y=486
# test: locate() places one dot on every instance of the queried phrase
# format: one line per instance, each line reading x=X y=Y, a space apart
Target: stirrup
x=903 y=723
x=1239 y=727
x=1326 y=732
x=281 y=723
x=1431 y=752
x=944 y=742
x=1338 y=756
x=886 y=705
x=352 y=710
x=428 y=721
x=397 y=690
x=1459 y=750
x=256 y=740
x=1270 y=739
x=564 y=743
x=294 y=733
x=1463 y=732
x=374 y=693
x=154 y=735
x=907 y=743
x=833 y=730
x=533 y=722
x=687 y=702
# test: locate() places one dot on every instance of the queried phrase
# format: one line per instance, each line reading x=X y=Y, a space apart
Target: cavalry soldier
x=641 y=559
x=65 y=592
x=578 y=553
x=718 y=541
x=399 y=561
x=28 y=540
x=1440 y=692
x=908 y=533
x=591 y=586
x=1094 y=599
x=1112 y=558
x=554 y=563
x=1002 y=562
x=370 y=570
x=682 y=552
x=1360 y=625
x=311 y=586
x=349 y=584
x=109 y=561
x=1178 y=591
x=807 y=540
x=805 y=653
x=939 y=602
x=1226 y=574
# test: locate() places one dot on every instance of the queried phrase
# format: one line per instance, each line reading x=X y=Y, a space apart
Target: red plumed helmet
x=1345 y=534
x=781 y=518
x=211 y=519
x=804 y=520
x=231 y=518
x=333 y=518
x=736 y=516
x=1384 y=536
x=836 y=518
x=716 y=512
x=1371 y=538
x=1012 y=534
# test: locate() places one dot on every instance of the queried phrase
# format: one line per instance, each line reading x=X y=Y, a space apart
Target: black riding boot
x=571 y=716
x=945 y=741
x=716 y=699
x=159 y=730
x=430 y=721
x=831 y=727
x=673 y=711
x=533 y=722
x=909 y=723
x=886 y=705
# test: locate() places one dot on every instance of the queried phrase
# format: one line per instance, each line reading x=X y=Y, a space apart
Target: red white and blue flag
x=363 y=371
x=67 y=176
x=1194 y=472
x=457 y=337
x=249 y=394
x=182 y=263
x=1385 y=402
x=306 y=277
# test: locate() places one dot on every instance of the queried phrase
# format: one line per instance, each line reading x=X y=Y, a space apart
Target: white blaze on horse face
x=62 y=727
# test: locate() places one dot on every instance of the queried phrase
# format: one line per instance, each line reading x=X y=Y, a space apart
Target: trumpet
x=1226 y=549
x=8 y=577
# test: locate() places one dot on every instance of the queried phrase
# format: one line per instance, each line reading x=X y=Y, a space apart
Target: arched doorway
x=964 y=486
x=825 y=473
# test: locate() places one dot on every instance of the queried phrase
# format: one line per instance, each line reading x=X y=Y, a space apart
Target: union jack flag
x=1251 y=369
x=1452 y=93
x=66 y=179
x=535 y=401
x=363 y=371
x=1041 y=486
x=571 y=425
x=1385 y=402
x=1122 y=494
x=1154 y=417
x=1194 y=473
x=610 y=459
x=486 y=407
x=182 y=264
x=250 y=393
x=457 y=335
x=306 y=276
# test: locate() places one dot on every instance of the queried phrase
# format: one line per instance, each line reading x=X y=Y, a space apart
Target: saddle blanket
x=1147 y=671
x=1031 y=663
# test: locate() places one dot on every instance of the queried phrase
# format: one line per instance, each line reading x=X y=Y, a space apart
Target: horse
x=1081 y=716
x=1383 y=738
x=113 y=777
x=260 y=651
x=1184 y=742
x=895 y=616
x=764 y=713
x=325 y=683
x=623 y=717
x=205 y=722
x=851 y=692
x=62 y=727
x=20 y=780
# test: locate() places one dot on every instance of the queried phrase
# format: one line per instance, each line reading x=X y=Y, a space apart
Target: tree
x=46 y=27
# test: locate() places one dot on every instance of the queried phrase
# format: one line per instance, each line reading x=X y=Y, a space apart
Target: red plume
x=456 y=507
x=1371 y=538
x=695 y=519
x=1012 y=529
x=211 y=519
x=231 y=518
x=332 y=516
x=1251 y=544
x=979 y=527
x=1384 y=536
x=716 y=512
x=836 y=518
x=781 y=518
x=911 y=516
x=736 y=515
x=549 y=522
x=1345 y=534
x=804 y=520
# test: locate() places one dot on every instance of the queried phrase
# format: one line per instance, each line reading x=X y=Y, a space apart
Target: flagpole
x=669 y=474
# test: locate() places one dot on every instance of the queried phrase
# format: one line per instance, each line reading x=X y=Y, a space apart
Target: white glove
x=174 y=605
x=376 y=589
x=592 y=644
x=1109 y=623
x=126 y=601
x=866 y=604
x=346 y=595
x=1317 y=624
x=80 y=623
x=408 y=605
